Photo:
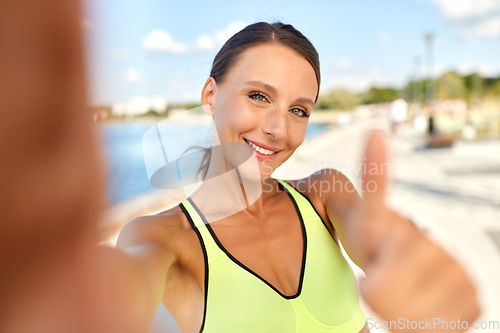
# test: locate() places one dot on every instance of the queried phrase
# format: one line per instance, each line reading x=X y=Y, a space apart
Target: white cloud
x=479 y=19
x=490 y=28
x=161 y=41
x=460 y=10
x=132 y=76
x=344 y=63
x=208 y=42
x=356 y=82
x=205 y=43
x=221 y=36
x=350 y=82
x=384 y=38
x=484 y=70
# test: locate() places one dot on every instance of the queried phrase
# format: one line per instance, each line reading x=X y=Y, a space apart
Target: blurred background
x=426 y=71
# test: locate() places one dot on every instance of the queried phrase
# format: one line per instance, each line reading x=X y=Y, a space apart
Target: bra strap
x=198 y=222
x=305 y=206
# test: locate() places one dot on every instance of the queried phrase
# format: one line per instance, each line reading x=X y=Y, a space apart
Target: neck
x=227 y=190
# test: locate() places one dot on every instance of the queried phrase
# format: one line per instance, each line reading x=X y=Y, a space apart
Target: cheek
x=296 y=135
x=237 y=118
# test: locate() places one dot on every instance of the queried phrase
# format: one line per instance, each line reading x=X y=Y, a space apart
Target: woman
x=273 y=264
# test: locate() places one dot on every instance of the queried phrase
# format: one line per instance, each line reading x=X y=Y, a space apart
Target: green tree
x=495 y=87
x=450 y=86
x=380 y=95
x=474 y=85
x=414 y=91
x=338 y=99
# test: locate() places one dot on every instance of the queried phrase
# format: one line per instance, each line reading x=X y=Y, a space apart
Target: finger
x=376 y=170
x=465 y=307
x=389 y=274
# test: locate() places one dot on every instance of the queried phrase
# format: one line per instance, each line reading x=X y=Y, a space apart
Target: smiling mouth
x=260 y=149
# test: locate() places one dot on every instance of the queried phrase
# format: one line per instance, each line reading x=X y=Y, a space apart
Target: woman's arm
x=53 y=277
x=408 y=275
x=338 y=196
x=128 y=285
x=146 y=243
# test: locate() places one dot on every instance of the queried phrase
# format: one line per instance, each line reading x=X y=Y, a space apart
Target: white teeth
x=260 y=149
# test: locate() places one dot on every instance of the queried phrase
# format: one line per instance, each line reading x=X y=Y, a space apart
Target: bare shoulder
x=164 y=229
x=330 y=192
x=325 y=182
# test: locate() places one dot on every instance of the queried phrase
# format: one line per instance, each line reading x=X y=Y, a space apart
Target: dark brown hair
x=261 y=33
x=256 y=34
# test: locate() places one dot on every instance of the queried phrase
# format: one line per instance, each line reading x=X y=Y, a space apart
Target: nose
x=275 y=124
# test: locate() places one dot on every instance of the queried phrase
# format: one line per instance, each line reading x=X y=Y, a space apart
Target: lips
x=262 y=149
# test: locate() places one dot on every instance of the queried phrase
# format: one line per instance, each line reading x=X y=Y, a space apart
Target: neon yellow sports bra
x=239 y=300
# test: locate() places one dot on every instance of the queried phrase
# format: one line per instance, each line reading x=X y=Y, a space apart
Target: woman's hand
x=409 y=278
x=53 y=278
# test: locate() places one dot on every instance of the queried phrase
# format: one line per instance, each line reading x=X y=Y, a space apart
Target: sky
x=166 y=48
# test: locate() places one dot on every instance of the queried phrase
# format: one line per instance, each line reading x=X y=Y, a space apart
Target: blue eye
x=258 y=96
x=299 y=112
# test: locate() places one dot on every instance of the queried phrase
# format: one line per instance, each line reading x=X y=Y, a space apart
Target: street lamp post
x=430 y=85
x=416 y=91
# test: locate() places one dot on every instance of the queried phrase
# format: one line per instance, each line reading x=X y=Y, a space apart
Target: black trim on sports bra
x=205 y=260
x=307 y=198
x=239 y=263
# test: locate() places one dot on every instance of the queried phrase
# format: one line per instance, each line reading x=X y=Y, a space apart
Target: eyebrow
x=274 y=91
x=262 y=84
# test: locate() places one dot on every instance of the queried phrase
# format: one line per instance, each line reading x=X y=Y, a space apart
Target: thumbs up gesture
x=410 y=280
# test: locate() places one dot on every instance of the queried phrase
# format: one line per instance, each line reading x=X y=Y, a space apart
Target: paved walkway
x=455 y=193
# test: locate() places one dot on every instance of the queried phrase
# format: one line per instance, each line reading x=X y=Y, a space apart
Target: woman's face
x=264 y=100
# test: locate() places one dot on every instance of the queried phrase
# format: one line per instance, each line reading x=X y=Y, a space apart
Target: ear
x=208 y=95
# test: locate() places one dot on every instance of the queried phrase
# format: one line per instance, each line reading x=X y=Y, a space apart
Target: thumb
x=376 y=169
